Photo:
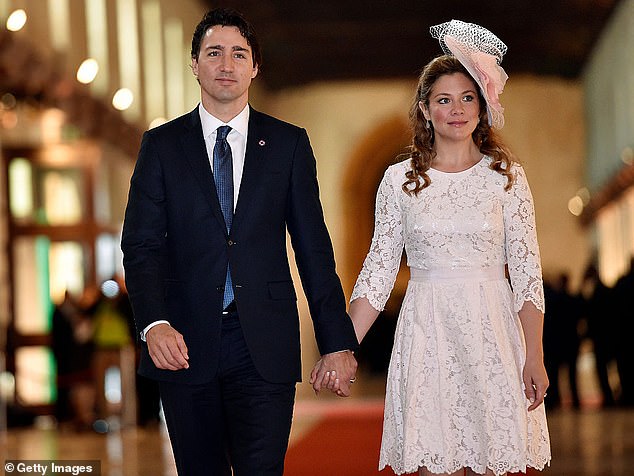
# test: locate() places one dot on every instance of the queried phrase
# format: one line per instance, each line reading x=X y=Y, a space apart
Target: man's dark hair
x=227 y=17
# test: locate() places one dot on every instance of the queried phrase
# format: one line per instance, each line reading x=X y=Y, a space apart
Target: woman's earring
x=428 y=124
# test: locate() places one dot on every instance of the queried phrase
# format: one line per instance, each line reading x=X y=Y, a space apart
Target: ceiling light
x=87 y=71
x=575 y=205
x=16 y=20
x=122 y=99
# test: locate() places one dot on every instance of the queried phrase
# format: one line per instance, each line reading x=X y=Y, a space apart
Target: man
x=207 y=272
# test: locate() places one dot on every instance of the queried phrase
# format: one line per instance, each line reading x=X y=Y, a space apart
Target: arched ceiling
x=311 y=40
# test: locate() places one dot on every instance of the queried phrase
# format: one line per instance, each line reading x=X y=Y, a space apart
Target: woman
x=466 y=381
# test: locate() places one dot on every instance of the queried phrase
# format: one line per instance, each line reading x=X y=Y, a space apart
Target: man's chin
x=227 y=97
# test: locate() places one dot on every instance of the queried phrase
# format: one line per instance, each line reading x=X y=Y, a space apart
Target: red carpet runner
x=341 y=444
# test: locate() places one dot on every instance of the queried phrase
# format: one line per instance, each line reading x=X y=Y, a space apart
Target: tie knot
x=222 y=132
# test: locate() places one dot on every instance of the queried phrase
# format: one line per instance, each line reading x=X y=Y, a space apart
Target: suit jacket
x=176 y=248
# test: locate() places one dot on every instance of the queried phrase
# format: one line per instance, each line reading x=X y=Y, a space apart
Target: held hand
x=535 y=382
x=336 y=372
x=321 y=377
x=313 y=376
x=167 y=348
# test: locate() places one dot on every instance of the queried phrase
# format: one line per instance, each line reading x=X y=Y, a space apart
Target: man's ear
x=255 y=71
x=195 y=67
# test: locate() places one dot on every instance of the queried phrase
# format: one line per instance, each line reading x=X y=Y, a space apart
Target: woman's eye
x=443 y=101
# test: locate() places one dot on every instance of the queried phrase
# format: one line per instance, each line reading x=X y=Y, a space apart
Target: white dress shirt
x=237 y=139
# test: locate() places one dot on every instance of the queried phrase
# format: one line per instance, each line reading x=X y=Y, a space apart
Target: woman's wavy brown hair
x=422 y=148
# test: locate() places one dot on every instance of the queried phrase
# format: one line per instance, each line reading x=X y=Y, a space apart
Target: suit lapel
x=196 y=154
x=257 y=145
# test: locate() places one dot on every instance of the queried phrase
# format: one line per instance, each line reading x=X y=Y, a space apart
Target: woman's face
x=454 y=107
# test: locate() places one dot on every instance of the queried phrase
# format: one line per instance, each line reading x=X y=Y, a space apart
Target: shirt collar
x=210 y=123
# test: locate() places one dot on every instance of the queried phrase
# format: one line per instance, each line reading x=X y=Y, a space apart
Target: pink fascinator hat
x=480 y=52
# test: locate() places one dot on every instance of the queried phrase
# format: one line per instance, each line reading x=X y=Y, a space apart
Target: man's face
x=224 y=68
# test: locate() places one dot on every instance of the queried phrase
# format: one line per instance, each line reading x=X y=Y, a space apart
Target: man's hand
x=336 y=372
x=167 y=348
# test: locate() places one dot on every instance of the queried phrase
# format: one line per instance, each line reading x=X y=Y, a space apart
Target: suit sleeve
x=143 y=240
x=314 y=255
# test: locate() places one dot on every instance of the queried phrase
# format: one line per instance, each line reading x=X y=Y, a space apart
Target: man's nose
x=227 y=63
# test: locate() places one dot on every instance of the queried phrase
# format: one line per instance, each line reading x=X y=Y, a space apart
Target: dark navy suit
x=176 y=250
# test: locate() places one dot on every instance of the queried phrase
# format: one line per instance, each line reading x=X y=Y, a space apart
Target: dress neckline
x=460 y=172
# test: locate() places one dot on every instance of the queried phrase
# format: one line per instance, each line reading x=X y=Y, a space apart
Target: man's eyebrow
x=221 y=47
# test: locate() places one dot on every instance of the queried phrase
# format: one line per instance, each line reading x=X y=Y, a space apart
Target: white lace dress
x=454 y=389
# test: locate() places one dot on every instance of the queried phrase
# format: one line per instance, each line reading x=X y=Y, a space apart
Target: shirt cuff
x=340 y=351
x=155 y=323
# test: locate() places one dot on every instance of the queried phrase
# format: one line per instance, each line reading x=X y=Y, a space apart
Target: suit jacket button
x=220 y=289
x=231 y=242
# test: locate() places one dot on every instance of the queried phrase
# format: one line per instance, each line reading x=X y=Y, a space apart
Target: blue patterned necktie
x=223 y=176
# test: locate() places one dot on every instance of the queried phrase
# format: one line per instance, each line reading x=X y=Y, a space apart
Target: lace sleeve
x=522 y=249
x=381 y=265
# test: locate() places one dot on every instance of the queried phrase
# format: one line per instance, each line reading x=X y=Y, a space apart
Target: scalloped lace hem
x=539 y=466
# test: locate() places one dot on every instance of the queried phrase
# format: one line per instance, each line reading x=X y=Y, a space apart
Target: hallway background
x=80 y=80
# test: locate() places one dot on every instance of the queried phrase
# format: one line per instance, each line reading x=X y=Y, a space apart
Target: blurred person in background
x=112 y=337
x=562 y=338
x=624 y=290
x=600 y=309
x=73 y=348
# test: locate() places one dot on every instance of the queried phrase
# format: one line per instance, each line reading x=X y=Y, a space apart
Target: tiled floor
x=592 y=443
x=589 y=442
x=586 y=442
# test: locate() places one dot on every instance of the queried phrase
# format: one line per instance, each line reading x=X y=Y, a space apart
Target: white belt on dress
x=478 y=274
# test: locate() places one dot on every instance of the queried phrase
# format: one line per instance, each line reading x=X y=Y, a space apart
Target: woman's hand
x=336 y=372
x=535 y=382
